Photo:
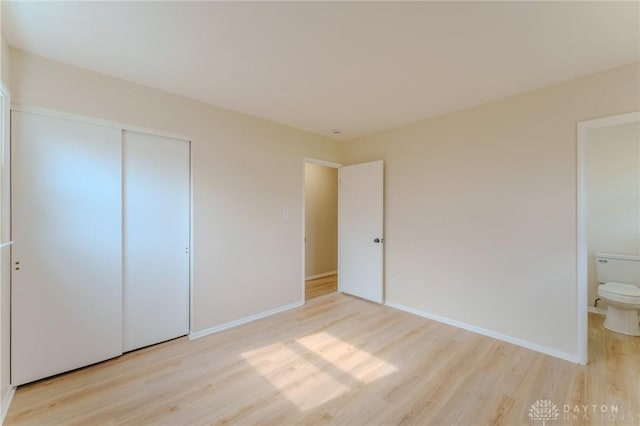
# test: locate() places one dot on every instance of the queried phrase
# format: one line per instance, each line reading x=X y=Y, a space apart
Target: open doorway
x=608 y=227
x=320 y=228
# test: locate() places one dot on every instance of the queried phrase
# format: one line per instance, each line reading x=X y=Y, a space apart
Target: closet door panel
x=156 y=239
x=66 y=298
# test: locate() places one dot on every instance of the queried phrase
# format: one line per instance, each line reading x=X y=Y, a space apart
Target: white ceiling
x=358 y=66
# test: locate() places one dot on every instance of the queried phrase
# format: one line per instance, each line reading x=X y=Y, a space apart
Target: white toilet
x=619 y=276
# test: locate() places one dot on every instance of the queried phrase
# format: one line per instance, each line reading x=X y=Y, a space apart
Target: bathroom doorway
x=320 y=228
x=608 y=205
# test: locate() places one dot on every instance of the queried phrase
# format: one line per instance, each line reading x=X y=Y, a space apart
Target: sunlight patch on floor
x=359 y=364
x=300 y=380
x=315 y=369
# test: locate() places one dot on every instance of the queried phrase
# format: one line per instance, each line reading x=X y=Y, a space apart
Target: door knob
x=377 y=240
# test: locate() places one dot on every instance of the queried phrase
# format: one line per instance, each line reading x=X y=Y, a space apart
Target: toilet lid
x=619 y=292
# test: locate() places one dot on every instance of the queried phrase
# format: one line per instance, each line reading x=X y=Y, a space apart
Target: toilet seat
x=619 y=292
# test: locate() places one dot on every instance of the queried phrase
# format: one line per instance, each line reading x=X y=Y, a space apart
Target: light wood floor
x=321 y=286
x=338 y=360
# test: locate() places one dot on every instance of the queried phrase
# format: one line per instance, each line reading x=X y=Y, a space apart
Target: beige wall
x=480 y=204
x=480 y=208
x=612 y=157
x=321 y=213
x=5 y=61
x=246 y=172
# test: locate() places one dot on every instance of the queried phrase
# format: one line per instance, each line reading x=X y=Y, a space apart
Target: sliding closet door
x=156 y=239
x=66 y=293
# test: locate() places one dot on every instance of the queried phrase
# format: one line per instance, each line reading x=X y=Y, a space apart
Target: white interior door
x=66 y=292
x=360 y=219
x=156 y=239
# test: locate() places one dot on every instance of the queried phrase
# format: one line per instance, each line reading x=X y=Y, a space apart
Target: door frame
x=323 y=163
x=581 y=244
x=5 y=168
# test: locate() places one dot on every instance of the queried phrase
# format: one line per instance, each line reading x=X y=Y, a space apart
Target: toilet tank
x=618 y=268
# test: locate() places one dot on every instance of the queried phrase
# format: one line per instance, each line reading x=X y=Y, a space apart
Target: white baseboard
x=6 y=402
x=324 y=274
x=230 y=324
x=499 y=336
x=597 y=311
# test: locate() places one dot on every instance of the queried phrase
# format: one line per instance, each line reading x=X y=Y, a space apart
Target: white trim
x=323 y=163
x=5 y=229
x=582 y=301
x=250 y=318
x=6 y=402
x=5 y=166
x=479 y=330
x=96 y=121
x=322 y=275
x=597 y=310
x=581 y=243
x=611 y=256
x=191 y=239
x=613 y=120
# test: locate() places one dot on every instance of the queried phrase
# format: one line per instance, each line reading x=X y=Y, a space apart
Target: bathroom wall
x=613 y=194
x=321 y=215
